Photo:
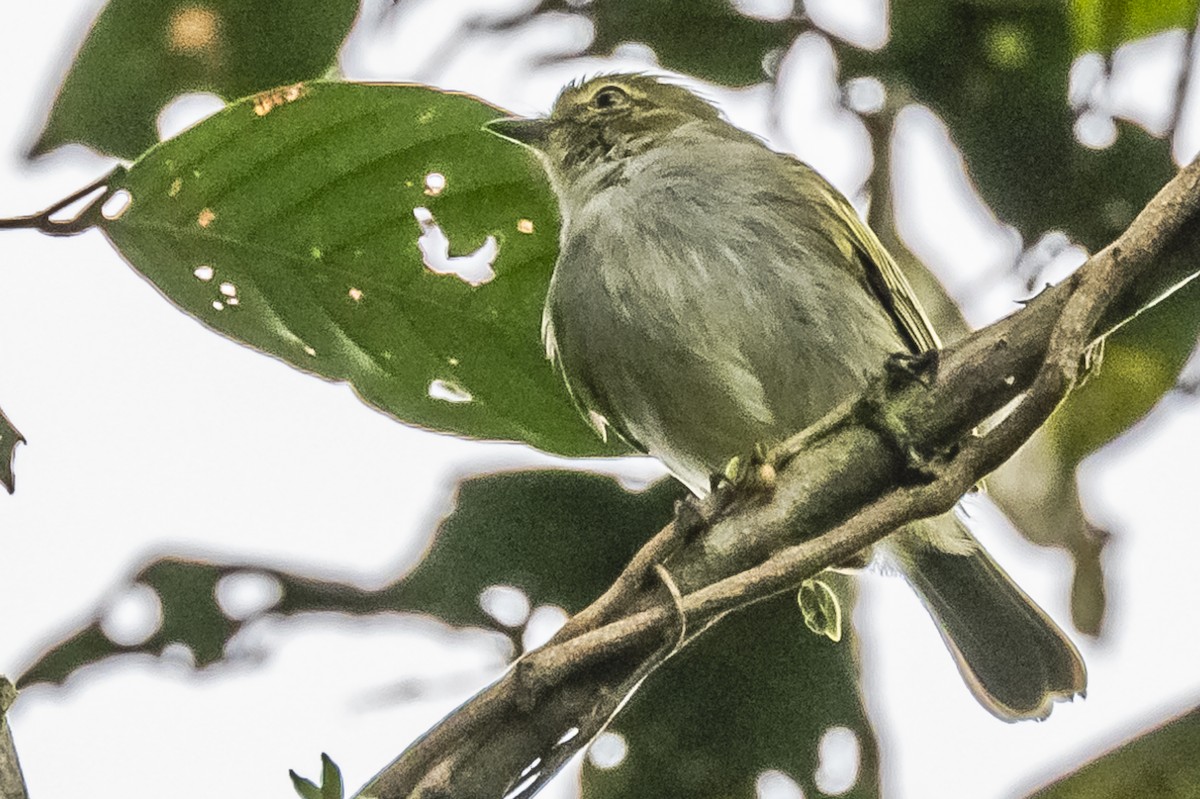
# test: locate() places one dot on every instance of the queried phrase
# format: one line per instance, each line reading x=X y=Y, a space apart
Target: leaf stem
x=85 y=219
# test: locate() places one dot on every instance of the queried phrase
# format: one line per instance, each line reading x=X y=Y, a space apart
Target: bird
x=712 y=295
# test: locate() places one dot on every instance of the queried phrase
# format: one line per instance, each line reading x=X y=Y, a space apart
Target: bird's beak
x=530 y=132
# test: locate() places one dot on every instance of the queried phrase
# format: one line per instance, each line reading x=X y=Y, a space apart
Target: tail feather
x=1014 y=659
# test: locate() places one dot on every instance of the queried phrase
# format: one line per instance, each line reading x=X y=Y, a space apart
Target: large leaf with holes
x=1104 y=25
x=559 y=536
x=141 y=53
x=1160 y=763
x=287 y=222
x=757 y=692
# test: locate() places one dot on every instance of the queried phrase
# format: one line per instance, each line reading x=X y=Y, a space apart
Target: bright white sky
x=150 y=435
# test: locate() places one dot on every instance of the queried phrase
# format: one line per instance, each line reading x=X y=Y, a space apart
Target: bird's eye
x=610 y=97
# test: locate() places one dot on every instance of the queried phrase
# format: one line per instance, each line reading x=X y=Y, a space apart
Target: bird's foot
x=753 y=473
x=902 y=369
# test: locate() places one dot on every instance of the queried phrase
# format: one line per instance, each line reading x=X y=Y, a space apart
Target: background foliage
x=286 y=222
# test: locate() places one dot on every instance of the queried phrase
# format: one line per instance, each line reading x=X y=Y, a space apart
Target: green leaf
x=306 y=788
x=331 y=779
x=1104 y=25
x=559 y=536
x=755 y=693
x=287 y=222
x=9 y=438
x=562 y=537
x=190 y=616
x=141 y=53
x=1161 y=763
x=821 y=609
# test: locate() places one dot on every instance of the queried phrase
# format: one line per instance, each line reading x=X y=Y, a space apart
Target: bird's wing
x=883 y=275
x=893 y=288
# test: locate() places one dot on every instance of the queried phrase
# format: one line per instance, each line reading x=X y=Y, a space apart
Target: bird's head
x=604 y=121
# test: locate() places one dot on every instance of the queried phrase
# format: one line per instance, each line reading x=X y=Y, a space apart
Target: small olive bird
x=711 y=295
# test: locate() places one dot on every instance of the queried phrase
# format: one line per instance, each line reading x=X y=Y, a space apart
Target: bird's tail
x=1014 y=659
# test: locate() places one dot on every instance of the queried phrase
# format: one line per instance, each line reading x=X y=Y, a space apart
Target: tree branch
x=841 y=486
x=12 y=782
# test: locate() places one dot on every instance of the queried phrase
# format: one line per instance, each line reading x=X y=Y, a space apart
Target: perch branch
x=12 y=782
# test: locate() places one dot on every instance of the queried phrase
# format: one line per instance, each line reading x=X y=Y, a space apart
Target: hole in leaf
x=228 y=289
x=608 y=750
x=435 y=183
x=839 y=755
x=355 y=294
x=525 y=226
x=769 y=10
x=242 y=595
x=204 y=273
x=866 y=95
x=1095 y=130
x=179 y=653
x=116 y=205
x=506 y=604
x=183 y=112
x=1085 y=82
x=474 y=269
x=218 y=305
x=772 y=784
x=542 y=624
x=132 y=617
x=448 y=391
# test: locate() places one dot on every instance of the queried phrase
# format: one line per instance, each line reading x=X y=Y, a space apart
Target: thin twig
x=86 y=218
x=1182 y=83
